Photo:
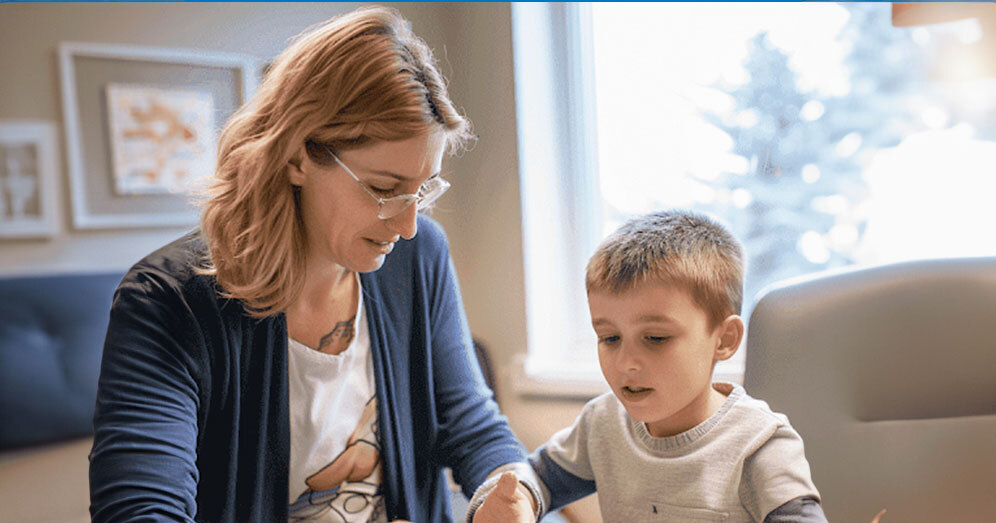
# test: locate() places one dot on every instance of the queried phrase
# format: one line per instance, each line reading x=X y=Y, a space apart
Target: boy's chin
x=636 y=412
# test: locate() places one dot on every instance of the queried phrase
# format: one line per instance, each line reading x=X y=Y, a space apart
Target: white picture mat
x=42 y=169
x=89 y=166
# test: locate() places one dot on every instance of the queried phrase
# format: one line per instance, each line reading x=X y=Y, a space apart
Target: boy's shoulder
x=606 y=404
x=600 y=414
x=754 y=408
x=750 y=424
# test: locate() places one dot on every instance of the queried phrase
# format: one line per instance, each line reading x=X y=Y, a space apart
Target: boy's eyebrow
x=646 y=318
x=655 y=318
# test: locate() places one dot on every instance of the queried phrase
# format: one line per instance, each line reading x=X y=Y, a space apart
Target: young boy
x=668 y=444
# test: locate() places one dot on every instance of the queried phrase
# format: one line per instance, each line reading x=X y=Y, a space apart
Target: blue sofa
x=51 y=337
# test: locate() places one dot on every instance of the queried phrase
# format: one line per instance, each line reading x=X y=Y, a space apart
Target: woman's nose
x=405 y=223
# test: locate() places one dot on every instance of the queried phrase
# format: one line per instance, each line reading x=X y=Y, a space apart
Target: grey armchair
x=889 y=374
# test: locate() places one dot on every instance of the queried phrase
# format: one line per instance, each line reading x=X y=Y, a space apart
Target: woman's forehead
x=407 y=158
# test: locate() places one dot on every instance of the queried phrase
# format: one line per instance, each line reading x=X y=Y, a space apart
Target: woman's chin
x=369 y=265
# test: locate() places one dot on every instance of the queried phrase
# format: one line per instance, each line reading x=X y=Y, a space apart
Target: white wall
x=481 y=213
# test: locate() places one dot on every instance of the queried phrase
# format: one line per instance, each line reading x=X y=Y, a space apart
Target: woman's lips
x=381 y=247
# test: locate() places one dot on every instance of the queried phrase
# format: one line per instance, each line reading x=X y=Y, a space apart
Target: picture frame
x=141 y=127
x=29 y=188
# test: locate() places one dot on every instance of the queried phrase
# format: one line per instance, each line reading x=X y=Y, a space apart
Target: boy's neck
x=699 y=410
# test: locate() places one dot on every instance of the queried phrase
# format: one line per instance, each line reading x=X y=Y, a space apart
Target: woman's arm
x=143 y=462
x=473 y=437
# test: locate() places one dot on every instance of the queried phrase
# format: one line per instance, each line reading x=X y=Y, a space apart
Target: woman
x=304 y=355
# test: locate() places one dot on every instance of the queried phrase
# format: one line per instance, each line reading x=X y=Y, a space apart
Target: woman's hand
x=507 y=503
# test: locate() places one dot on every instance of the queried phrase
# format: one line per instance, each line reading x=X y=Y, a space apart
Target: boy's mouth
x=634 y=393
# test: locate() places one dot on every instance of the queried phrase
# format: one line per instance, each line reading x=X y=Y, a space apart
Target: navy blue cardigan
x=192 y=415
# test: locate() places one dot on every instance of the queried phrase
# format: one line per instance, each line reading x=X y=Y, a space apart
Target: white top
x=335 y=468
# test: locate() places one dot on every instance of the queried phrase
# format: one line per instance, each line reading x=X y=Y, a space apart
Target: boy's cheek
x=605 y=365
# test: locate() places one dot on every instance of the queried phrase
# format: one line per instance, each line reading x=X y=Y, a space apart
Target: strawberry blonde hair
x=681 y=247
x=362 y=76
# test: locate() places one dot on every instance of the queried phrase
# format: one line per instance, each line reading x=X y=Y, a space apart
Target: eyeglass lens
x=428 y=193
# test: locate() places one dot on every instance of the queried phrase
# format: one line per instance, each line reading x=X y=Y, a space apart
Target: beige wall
x=29 y=89
x=481 y=214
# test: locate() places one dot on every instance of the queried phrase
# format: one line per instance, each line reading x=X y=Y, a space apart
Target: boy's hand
x=507 y=503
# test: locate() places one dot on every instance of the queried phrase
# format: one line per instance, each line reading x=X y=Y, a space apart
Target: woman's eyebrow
x=397 y=176
x=389 y=174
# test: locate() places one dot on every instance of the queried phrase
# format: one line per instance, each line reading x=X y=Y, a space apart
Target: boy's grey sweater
x=739 y=465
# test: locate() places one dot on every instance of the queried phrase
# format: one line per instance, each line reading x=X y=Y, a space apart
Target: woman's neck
x=323 y=283
x=324 y=314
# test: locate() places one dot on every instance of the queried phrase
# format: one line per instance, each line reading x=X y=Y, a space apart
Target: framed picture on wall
x=28 y=180
x=142 y=125
x=162 y=140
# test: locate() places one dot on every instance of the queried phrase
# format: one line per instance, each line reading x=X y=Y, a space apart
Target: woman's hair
x=359 y=77
x=681 y=247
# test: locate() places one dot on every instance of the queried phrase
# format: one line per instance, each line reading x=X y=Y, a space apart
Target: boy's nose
x=627 y=360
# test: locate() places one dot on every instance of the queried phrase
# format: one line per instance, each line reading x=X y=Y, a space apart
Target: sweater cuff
x=527 y=478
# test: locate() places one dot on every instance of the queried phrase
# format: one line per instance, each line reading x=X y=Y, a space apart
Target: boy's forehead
x=652 y=302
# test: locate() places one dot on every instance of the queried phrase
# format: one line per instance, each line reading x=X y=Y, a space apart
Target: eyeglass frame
x=421 y=202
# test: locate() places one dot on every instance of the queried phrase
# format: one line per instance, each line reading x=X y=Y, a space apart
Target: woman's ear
x=296 y=166
x=731 y=332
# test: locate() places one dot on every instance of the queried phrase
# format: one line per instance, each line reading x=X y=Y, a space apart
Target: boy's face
x=657 y=351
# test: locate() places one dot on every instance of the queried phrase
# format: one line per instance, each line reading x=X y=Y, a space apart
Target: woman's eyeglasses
x=427 y=194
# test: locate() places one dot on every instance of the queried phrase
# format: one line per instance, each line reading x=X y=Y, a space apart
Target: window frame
x=562 y=210
x=557 y=159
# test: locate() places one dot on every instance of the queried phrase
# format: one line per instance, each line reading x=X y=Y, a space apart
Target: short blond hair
x=678 y=247
x=360 y=77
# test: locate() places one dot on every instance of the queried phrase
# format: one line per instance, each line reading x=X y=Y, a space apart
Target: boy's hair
x=675 y=246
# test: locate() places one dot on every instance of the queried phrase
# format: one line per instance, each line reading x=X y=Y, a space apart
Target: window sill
x=585 y=385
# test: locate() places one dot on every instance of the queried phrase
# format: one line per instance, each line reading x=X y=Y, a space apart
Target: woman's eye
x=383 y=192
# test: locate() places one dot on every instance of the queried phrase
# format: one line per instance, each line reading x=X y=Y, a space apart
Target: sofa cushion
x=52 y=332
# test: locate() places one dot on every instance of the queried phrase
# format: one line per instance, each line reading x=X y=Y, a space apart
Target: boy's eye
x=608 y=340
x=658 y=339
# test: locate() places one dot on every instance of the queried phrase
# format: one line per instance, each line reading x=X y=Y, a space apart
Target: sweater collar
x=678 y=441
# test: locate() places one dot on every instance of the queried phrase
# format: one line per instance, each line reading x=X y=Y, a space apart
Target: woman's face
x=340 y=218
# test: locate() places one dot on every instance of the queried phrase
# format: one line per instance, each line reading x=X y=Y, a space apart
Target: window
x=822 y=134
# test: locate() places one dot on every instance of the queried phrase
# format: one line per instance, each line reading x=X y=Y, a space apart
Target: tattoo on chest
x=340 y=337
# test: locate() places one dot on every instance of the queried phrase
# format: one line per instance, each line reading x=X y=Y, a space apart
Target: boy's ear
x=731 y=332
x=295 y=167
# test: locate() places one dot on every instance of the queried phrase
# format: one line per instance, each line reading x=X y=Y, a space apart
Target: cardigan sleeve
x=474 y=438
x=143 y=462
